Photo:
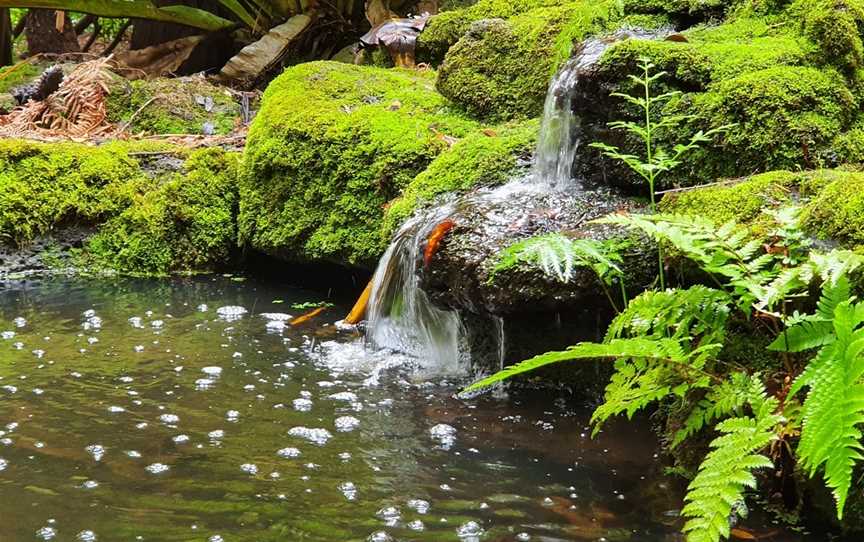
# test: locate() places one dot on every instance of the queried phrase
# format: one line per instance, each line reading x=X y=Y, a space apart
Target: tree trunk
x=43 y=36
x=5 y=38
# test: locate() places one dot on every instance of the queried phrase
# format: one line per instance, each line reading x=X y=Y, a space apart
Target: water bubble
x=133 y=454
x=138 y=348
x=181 y=439
x=523 y=537
x=444 y=434
x=19 y=322
x=470 y=532
x=288 y=453
x=302 y=404
x=3 y=464
x=10 y=388
x=96 y=450
x=389 y=515
x=202 y=307
x=419 y=505
x=7 y=335
x=157 y=324
x=276 y=316
x=231 y=313
x=135 y=321
x=349 y=490
x=169 y=419
x=416 y=525
x=232 y=415
x=380 y=536
x=116 y=409
x=46 y=533
x=204 y=384
x=90 y=484
x=249 y=468
x=216 y=538
x=212 y=371
x=216 y=435
x=86 y=536
x=157 y=468
x=315 y=435
x=346 y=396
x=345 y=424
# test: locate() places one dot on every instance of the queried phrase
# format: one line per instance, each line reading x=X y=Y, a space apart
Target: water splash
x=558 y=143
x=401 y=316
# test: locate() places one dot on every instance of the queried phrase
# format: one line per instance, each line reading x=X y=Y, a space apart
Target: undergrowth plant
x=667 y=348
x=655 y=160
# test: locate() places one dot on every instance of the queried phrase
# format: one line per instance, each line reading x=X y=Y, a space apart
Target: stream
x=187 y=410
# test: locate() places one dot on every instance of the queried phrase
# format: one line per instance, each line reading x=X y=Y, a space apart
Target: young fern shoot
x=655 y=161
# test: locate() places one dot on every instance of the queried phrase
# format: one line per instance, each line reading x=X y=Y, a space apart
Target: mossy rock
x=445 y=29
x=184 y=105
x=332 y=145
x=746 y=75
x=44 y=186
x=836 y=27
x=487 y=157
x=500 y=69
x=187 y=223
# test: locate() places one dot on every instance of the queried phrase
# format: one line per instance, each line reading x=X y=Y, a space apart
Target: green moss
x=173 y=106
x=487 y=157
x=43 y=186
x=13 y=76
x=836 y=210
x=781 y=117
x=836 y=26
x=742 y=201
x=486 y=72
x=185 y=224
x=445 y=29
x=332 y=144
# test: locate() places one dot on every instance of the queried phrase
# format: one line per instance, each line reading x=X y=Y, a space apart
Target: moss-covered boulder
x=487 y=157
x=755 y=76
x=186 y=223
x=47 y=186
x=500 y=69
x=831 y=202
x=183 y=105
x=331 y=146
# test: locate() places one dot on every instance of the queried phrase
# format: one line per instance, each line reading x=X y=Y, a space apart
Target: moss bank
x=331 y=146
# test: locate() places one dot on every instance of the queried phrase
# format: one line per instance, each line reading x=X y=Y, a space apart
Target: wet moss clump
x=332 y=145
x=836 y=209
x=44 y=186
x=186 y=105
x=186 y=223
x=486 y=70
x=487 y=157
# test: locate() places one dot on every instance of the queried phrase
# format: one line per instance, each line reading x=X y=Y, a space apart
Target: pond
x=187 y=409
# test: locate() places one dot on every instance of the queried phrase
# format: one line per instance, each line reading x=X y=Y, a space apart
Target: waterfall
x=401 y=316
x=558 y=143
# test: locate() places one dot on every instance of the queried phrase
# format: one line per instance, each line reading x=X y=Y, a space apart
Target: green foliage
x=317 y=175
x=726 y=472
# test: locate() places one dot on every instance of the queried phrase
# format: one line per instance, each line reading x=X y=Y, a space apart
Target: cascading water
x=558 y=144
x=400 y=314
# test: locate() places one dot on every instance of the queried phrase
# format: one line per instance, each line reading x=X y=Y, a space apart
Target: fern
x=726 y=472
x=557 y=255
x=834 y=407
x=720 y=401
x=695 y=312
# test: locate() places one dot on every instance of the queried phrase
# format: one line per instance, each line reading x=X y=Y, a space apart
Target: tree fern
x=726 y=472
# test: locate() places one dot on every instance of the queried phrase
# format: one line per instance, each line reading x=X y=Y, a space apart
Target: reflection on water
x=190 y=410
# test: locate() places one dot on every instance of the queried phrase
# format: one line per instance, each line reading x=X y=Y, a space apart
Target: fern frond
x=698 y=311
x=662 y=351
x=727 y=398
x=557 y=256
x=726 y=472
x=834 y=407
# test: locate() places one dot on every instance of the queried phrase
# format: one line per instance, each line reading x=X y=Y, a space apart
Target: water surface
x=159 y=410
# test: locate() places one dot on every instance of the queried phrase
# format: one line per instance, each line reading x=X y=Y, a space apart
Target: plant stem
x=651 y=174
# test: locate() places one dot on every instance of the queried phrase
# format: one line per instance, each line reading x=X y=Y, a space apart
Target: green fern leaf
x=834 y=407
x=726 y=472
